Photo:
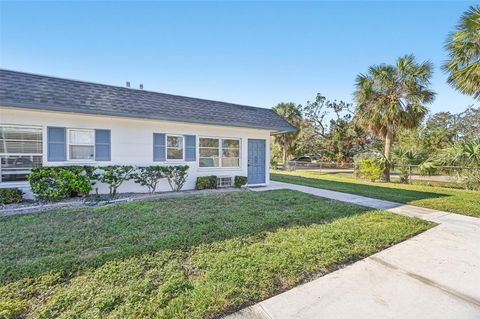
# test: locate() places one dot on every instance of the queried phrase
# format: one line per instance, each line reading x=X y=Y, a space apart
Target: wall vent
x=224 y=181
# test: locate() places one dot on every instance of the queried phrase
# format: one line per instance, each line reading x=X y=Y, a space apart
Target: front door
x=256 y=161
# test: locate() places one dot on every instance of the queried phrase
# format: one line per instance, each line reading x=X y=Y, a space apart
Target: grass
x=195 y=257
x=458 y=201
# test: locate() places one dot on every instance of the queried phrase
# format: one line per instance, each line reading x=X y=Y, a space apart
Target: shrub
x=114 y=176
x=57 y=182
x=428 y=168
x=240 y=181
x=274 y=162
x=176 y=176
x=206 y=182
x=10 y=196
x=148 y=176
x=471 y=178
x=369 y=168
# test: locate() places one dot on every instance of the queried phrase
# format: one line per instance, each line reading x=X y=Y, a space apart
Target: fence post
x=410 y=174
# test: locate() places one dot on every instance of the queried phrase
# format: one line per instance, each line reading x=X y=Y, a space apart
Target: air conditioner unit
x=224 y=181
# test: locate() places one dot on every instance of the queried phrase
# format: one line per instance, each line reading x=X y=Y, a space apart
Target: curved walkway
x=433 y=275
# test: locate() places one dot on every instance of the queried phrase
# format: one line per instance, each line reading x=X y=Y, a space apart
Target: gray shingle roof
x=18 y=89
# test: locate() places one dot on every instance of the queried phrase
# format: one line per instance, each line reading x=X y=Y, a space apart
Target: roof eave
x=40 y=107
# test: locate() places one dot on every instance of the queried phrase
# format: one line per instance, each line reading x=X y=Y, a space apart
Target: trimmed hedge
x=206 y=182
x=10 y=196
x=240 y=181
x=52 y=183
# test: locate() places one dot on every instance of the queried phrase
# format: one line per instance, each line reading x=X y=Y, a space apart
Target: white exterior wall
x=132 y=142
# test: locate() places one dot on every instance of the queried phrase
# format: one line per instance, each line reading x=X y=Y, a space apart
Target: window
x=230 y=153
x=20 y=151
x=217 y=152
x=209 y=149
x=174 y=147
x=81 y=144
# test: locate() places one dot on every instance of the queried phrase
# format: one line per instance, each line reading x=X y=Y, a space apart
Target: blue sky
x=254 y=53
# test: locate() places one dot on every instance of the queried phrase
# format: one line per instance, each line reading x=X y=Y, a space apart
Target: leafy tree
x=468 y=124
x=318 y=112
x=463 y=46
x=328 y=129
x=392 y=97
x=291 y=113
x=148 y=176
x=176 y=176
x=308 y=141
x=114 y=176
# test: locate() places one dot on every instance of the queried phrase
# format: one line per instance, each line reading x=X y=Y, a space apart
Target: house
x=53 y=121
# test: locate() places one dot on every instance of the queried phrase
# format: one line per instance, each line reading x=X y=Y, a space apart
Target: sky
x=253 y=53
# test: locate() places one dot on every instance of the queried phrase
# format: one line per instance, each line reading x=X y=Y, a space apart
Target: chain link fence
x=441 y=173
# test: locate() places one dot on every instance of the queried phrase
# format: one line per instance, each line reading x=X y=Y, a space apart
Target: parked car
x=304 y=159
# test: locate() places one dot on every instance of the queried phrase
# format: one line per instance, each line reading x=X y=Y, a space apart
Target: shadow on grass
x=68 y=241
x=379 y=192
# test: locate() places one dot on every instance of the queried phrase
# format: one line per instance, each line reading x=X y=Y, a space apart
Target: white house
x=52 y=121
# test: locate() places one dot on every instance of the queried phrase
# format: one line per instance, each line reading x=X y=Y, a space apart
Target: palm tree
x=466 y=155
x=463 y=47
x=391 y=97
x=291 y=113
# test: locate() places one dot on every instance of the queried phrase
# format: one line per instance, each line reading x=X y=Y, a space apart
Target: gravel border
x=30 y=207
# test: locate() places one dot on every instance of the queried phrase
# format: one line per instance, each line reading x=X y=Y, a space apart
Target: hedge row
x=55 y=183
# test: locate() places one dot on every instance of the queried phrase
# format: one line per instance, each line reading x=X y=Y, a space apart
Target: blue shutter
x=190 y=148
x=102 y=145
x=158 y=147
x=56 y=144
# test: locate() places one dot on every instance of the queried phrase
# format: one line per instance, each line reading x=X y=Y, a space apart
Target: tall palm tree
x=391 y=97
x=292 y=114
x=463 y=46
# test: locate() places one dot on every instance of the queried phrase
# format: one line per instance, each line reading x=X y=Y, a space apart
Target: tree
x=328 y=129
x=466 y=155
x=463 y=46
x=468 y=123
x=148 y=176
x=291 y=113
x=393 y=97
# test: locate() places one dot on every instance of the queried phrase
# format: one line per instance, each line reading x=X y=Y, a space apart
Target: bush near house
x=114 y=176
x=176 y=176
x=58 y=182
x=240 y=181
x=206 y=182
x=10 y=196
x=55 y=183
x=148 y=176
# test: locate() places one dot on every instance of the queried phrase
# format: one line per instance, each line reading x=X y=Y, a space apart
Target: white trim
x=69 y=144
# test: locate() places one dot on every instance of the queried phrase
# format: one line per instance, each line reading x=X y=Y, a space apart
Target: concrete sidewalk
x=433 y=275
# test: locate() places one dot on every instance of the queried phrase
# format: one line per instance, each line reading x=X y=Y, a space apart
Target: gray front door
x=256 y=161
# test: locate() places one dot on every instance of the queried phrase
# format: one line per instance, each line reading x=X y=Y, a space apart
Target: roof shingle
x=18 y=89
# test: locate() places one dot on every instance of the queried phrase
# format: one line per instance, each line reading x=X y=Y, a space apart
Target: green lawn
x=458 y=201
x=193 y=257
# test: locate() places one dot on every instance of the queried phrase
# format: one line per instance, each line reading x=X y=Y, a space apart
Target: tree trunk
x=388 y=148
x=284 y=156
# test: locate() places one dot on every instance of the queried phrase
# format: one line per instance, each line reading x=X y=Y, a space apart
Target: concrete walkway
x=433 y=275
